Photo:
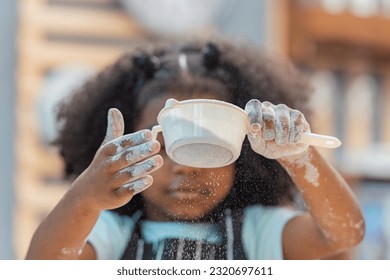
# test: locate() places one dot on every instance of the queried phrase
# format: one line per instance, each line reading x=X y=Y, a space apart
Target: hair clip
x=146 y=63
x=211 y=56
x=183 y=64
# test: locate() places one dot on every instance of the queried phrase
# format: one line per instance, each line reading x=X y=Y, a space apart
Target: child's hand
x=276 y=129
x=120 y=167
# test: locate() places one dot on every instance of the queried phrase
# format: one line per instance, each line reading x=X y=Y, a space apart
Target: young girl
x=128 y=200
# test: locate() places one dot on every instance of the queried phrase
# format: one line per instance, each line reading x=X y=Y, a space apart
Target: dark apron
x=230 y=247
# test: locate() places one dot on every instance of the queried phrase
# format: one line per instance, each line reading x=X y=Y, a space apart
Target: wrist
x=81 y=201
x=296 y=160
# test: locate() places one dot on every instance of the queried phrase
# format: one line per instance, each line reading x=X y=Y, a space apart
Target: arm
x=63 y=233
x=117 y=172
x=334 y=222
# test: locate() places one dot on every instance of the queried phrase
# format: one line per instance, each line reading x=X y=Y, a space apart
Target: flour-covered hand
x=275 y=129
x=121 y=166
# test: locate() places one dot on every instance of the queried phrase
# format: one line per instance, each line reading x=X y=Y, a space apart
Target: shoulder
x=113 y=221
x=262 y=230
x=111 y=234
x=267 y=212
x=260 y=218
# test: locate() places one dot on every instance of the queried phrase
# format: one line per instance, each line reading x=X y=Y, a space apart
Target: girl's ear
x=211 y=56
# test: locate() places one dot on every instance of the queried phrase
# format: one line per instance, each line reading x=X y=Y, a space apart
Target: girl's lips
x=185 y=194
x=184 y=188
x=189 y=193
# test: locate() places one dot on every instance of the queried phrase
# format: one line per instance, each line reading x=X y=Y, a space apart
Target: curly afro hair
x=234 y=73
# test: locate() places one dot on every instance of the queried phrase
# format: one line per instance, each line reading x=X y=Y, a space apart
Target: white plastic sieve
x=208 y=133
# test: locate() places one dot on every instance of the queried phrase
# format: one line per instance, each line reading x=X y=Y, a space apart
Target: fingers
x=115 y=125
x=268 y=121
x=282 y=124
x=296 y=126
x=115 y=142
x=122 y=143
x=135 y=179
x=127 y=191
x=136 y=171
x=134 y=154
x=135 y=187
x=254 y=110
x=129 y=155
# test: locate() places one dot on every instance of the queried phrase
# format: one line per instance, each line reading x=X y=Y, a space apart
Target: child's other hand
x=120 y=167
x=276 y=129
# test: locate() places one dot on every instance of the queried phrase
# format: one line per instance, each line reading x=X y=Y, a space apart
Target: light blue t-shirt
x=261 y=234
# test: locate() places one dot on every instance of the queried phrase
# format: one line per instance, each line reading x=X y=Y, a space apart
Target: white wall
x=7 y=121
x=246 y=19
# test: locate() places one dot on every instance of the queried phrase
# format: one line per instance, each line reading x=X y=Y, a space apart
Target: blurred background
x=49 y=47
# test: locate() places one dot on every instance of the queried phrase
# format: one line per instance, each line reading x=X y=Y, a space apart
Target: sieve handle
x=313 y=139
x=323 y=141
x=155 y=130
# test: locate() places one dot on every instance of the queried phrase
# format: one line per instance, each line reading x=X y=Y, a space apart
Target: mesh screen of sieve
x=202 y=155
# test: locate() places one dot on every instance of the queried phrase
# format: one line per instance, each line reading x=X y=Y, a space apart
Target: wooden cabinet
x=352 y=46
x=323 y=39
x=53 y=35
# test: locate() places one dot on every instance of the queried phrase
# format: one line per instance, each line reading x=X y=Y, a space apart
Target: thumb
x=115 y=125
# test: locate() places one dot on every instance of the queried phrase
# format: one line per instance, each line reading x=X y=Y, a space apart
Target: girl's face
x=181 y=192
